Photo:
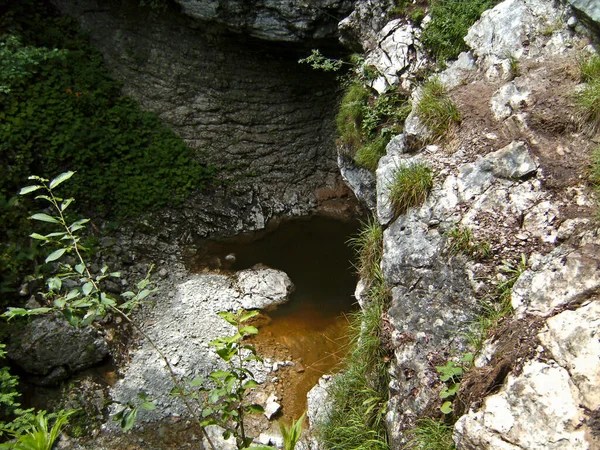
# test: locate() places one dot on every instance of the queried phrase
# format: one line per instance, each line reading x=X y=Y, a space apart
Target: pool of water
x=312 y=326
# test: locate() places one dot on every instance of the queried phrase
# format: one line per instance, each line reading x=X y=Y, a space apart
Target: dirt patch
x=515 y=342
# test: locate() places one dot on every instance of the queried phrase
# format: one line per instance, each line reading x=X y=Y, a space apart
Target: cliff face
x=245 y=104
x=510 y=176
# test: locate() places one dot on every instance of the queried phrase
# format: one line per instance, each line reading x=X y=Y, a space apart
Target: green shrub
x=436 y=110
x=368 y=155
x=450 y=22
x=409 y=187
x=588 y=100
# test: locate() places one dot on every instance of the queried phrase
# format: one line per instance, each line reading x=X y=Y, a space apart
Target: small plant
x=40 y=436
x=368 y=155
x=436 y=110
x=513 y=66
x=451 y=373
x=319 y=62
x=450 y=22
x=291 y=435
x=350 y=116
x=368 y=247
x=460 y=240
x=588 y=100
x=431 y=434
x=417 y=15
x=409 y=186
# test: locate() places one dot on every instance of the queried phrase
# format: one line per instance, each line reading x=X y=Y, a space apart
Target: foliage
x=40 y=436
x=368 y=155
x=588 y=99
x=83 y=301
x=368 y=248
x=431 y=434
x=409 y=186
x=450 y=22
x=460 y=240
x=351 y=114
x=359 y=393
x=435 y=109
x=497 y=305
x=319 y=62
x=417 y=15
x=386 y=113
x=451 y=373
x=594 y=174
x=291 y=435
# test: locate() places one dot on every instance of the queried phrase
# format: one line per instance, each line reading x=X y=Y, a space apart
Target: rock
x=271 y=438
x=263 y=288
x=509 y=99
x=398 y=51
x=360 y=180
x=292 y=21
x=359 y=30
x=565 y=277
x=458 y=71
x=318 y=401
x=590 y=8
x=537 y=410
x=512 y=162
x=215 y=433
x=47 y=344
x=271 y=406
x=571 y=337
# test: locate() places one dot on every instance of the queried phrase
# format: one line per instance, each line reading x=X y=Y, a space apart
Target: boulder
x=48 y=344
x=360 y=180
x=263 y=288
x=591 y=8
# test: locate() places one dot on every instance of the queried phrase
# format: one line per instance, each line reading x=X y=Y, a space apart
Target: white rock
x=271 y=406
x=263 y=288
x=509 y=99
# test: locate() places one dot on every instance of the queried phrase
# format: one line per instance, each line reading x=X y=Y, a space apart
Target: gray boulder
x=48 y=345
x=263 y=288
x=591 y=8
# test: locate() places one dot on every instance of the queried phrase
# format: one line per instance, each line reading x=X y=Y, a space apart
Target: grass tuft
x=350 y=116
x=368 y=155
x=588 y=100
x=368 y=247
x=436 y=110
x=431 y=434
x=410 y=186
x=461 y=240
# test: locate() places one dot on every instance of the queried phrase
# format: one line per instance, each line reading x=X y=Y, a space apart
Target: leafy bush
x=436 y=110
x=450 y=22
x=409 y=186
x=588 y=100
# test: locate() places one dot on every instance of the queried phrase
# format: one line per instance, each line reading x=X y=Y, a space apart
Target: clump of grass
x=461 y=240
x=431 y=434
x=359 y=394
x=497 y=305
x=436 y=110
x=368 y=247
x=450 y=22
x=368 y=155
x=410 y=186
x=350 y=116
x=417 y=15
x=588 y=100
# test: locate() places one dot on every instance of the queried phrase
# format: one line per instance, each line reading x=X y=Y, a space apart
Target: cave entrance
x=311 y=329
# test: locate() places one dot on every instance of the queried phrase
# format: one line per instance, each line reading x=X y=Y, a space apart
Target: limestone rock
x=565 y=277
x=215 y=433
x=513 y=161
x=590 y=8
x=292 y=21
x=458 y=71
x=571 y=337
x=537 y=410
x=359 y=30
x=263 y=288
x=360 y=180
x=271 y=406
x=48 y=344
x=318 y=400
x=398 y=52
x=509 y=99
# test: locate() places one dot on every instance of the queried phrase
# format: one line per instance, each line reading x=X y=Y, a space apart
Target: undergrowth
x=431 y=434
x=436 y=110
x=588 y=100
x=359 y=394
x=450 y=21
x=409 y=186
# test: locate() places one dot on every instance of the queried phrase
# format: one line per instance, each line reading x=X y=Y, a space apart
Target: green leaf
x=87 y=288
x=44 y=218
x=219 y=374
x=37 y=236
x=198 y=381
x=446 y=408
x=129 y=419
x=248 y=315
x=250 y=384
x=255 y=409
x=449 y=391
x=55 y=255
x=59 y=179
x=28 y=189
x=229 y=317
x=64 y=205
x=79 y=268
x=148 y=406
x=249 y=330
x=54 y=284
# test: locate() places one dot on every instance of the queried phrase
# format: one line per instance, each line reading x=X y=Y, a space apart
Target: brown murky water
x=312 y=327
